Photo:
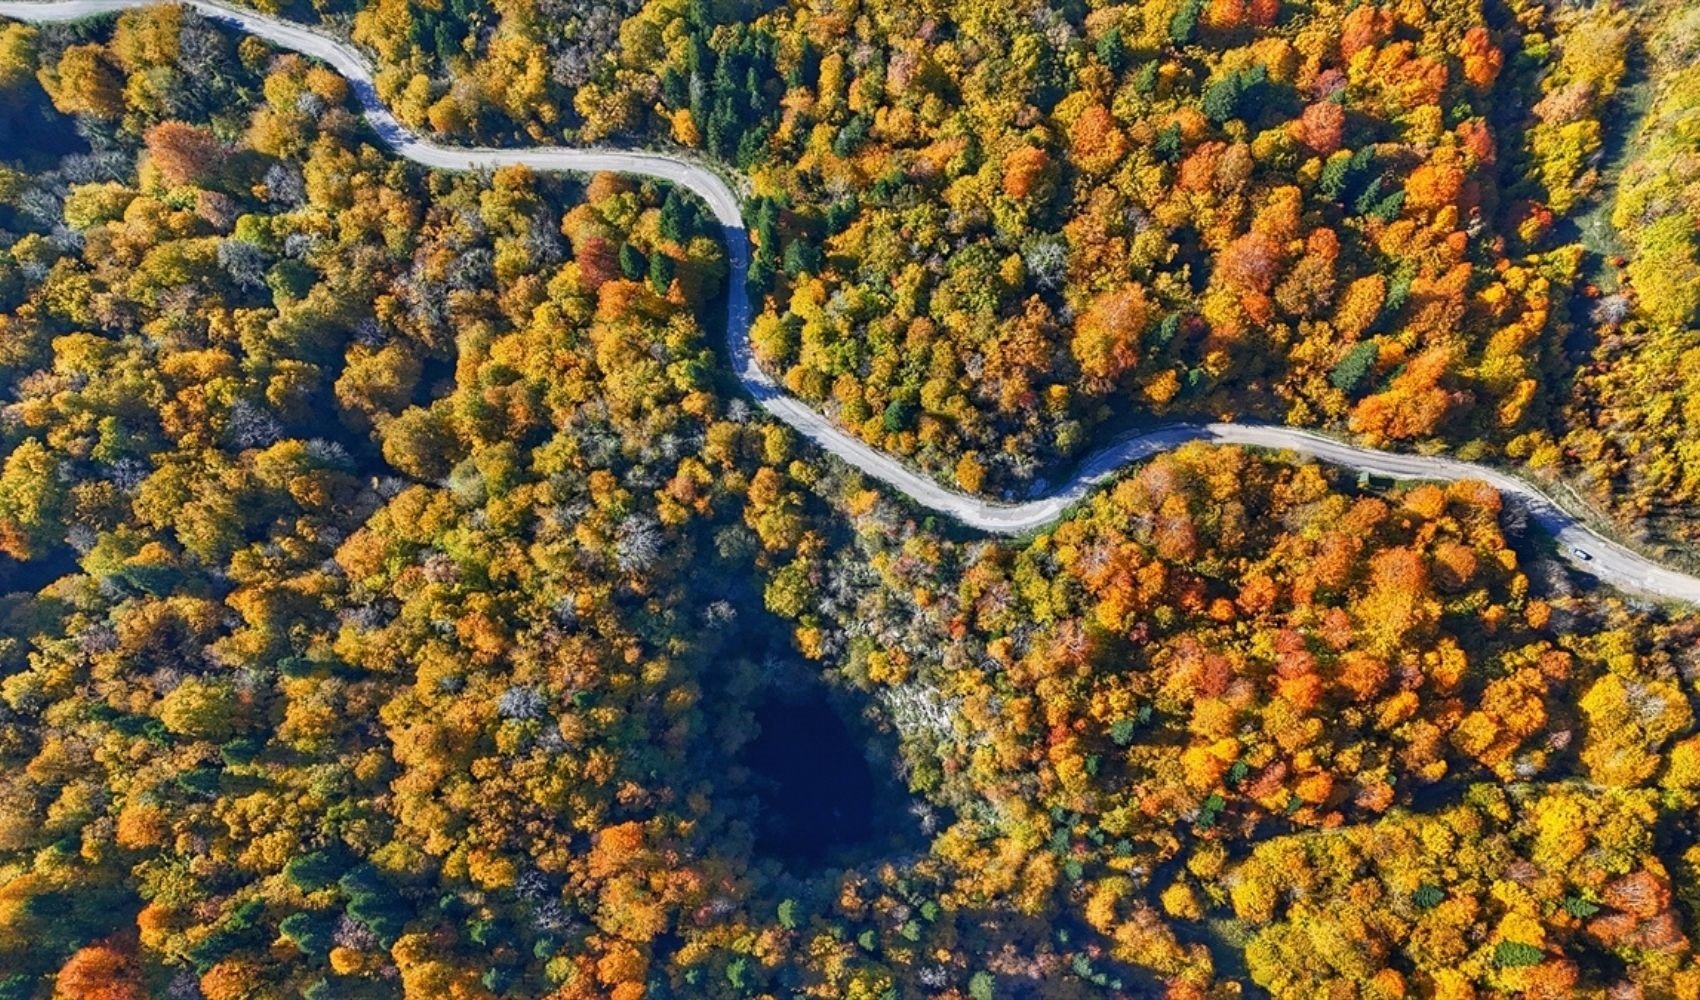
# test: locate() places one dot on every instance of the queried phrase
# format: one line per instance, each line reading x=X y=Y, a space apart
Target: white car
x=1582 y=554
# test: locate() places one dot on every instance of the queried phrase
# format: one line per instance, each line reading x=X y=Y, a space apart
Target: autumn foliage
x=393 y=575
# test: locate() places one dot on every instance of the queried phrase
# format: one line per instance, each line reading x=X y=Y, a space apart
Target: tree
x=1112 y=50
x=105 y=970
x=374 y=903
x=1666 y=271
x=1225 y=98
x=1107 y=335
x=1516 y=954
x=801 y=257
x=1185 y=21
x=311 y=932
x=1414 y=404
x=419 y=443
x=85 y=83
x=31 y=498
x=1360 y=305
x=598 y=261
x=1435 y=184
x=200 y=709
x=1250 y=263
x=678 y=220
x=661 y=270
x=1025 y=173
x=314 y=871
x=184 y=153
x=1096 y=143
x=1399 y=600
x=1481 y=57
x=1354 y=367
x=1323 y=126
x=633 y=264
x=17 y=57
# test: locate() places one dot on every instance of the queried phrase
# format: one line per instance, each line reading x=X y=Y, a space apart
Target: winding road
x=1580 y=545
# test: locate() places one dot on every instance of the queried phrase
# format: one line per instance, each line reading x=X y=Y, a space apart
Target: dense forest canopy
x=987 y=231
x=400 y=599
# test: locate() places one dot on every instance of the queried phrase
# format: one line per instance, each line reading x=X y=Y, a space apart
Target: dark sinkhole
x=813 y=784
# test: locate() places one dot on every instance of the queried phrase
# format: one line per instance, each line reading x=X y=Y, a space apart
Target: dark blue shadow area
x=813 y=782
x=31 y=576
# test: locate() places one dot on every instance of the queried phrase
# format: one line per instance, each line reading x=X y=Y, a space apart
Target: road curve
x=1581 y=546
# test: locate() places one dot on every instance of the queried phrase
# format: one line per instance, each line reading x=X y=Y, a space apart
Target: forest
x=398 y=597
x=988 y=234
